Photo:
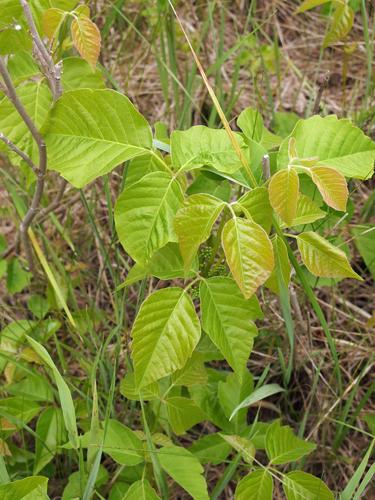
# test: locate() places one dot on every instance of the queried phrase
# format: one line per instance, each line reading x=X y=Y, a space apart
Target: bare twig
x=18 y=151
x=51 y=70
x=12 y=248
x=55 y=204
x=25 y=224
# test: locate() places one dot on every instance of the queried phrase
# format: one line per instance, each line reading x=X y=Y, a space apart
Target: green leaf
x=283 y=192
x=283 y=446
x=129 y=390
x=36 y=98
x=21 y=66
x=144 y=213
x=78 y=74
x=183 y=414
x=30 y=488
x=242 y=445
x=261 y=393
x=249 y=254
x=284 y=122
x=165 y=264
x=38 y=305
x=34 y=387
x=211 y=448
x=364 y=239
x=257 y=485
x=323 y=259
x=342 y=23
x=51 y=21
x=299 y=485
x=201 y=146
x=280 y=249
x=257 y=204
x=193 y=223
x=206 y=397
x=250 y=122
x=22 y=411
x=50 y=430
x=76 y=481
x=118 y=490
x=192 y=373
x=226 y=318
x=122 y=444
x=65 y=396
x=165 y=333
x=232 y=392
x=307 y=212
x=310 y=4
x=185 y=469
x=90 y=132
x=338 y=144
x=14 y=33
x=143 y=165
x=17 y=278
x=209 y=183
x=141 y=490
x=86 y=38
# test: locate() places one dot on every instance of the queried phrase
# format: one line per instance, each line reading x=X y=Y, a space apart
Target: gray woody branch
x=53 y=74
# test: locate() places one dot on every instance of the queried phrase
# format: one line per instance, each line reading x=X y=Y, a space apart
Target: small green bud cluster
x=219 y=270
x=205 y=254
x=194 y=291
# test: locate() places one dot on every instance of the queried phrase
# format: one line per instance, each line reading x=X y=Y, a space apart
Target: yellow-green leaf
x=227 y=319
x=29 y=488
x=322 y=258
x=342 y=23
x=283 y=191
x=165 y=333
x=249 y=253
x=256 y=202
x=300 y=485
x=307 y=212
x=184 y=468
x=144 y=214
x=242 y=445
x=283 y=446
x=86 y=39
x=257 y=485
x=310 y=4
x=183 y=413
x=193 y=223
x=332 y=186
x=51 y=22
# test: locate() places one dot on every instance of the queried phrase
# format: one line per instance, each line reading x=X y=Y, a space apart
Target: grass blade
x=259 y=394
x=350 y=488
x=65 y=396
x=50 y=275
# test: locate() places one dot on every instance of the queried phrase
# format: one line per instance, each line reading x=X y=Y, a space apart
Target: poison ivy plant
x=205 y=229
